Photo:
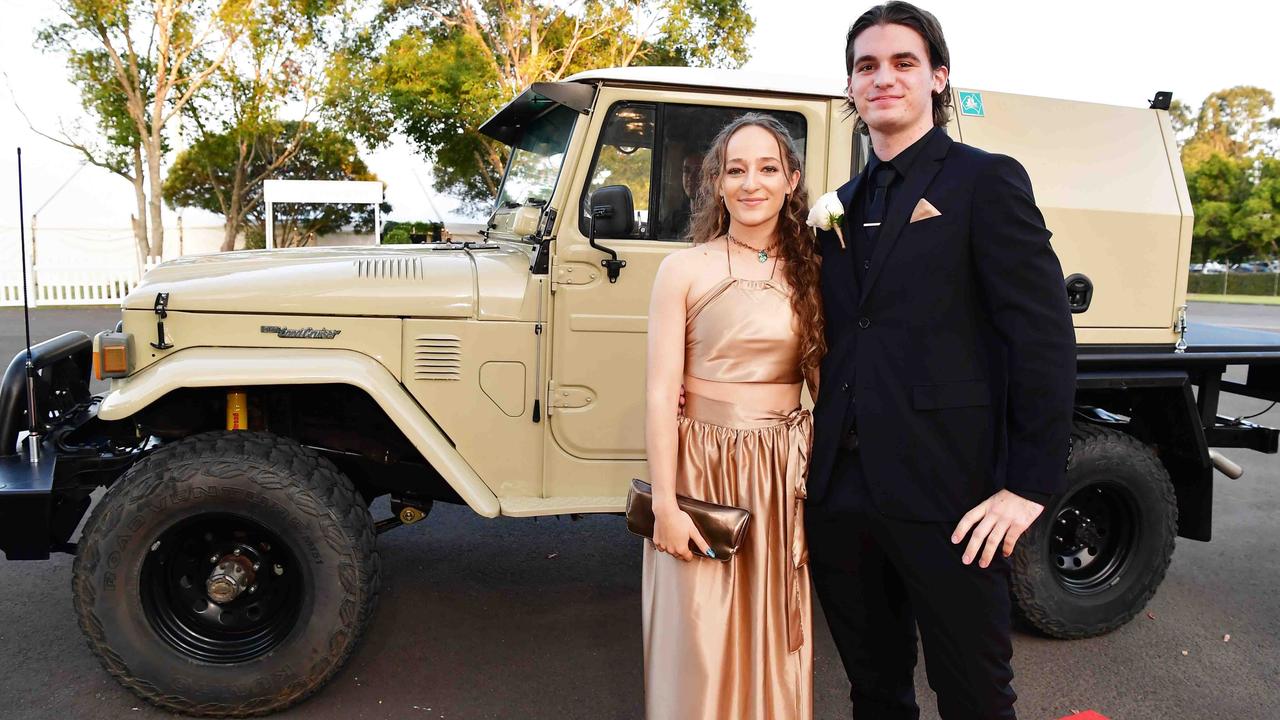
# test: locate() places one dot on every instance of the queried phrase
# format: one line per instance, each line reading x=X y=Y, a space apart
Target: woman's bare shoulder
x=686 y=265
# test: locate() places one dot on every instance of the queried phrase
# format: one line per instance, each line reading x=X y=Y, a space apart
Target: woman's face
x=754 y=182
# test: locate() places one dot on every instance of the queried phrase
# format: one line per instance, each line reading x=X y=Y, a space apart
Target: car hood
x=442 y=280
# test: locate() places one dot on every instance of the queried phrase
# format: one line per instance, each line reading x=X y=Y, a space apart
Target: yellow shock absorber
x=237 y=410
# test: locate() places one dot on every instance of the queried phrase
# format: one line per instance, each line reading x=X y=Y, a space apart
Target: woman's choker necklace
x=762 y=254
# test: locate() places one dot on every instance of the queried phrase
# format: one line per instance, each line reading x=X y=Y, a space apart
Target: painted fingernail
x=711 y=553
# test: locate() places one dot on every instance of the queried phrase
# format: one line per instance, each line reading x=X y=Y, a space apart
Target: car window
x=687 y=132
x=624 y=156
x=673 y=137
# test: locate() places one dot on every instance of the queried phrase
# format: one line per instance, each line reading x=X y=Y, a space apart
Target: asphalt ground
x=540 y=618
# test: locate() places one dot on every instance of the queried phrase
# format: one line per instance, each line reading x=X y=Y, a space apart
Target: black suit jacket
x=958 y=345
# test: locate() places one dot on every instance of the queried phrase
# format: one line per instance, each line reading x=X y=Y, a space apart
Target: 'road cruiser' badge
x=306 y=332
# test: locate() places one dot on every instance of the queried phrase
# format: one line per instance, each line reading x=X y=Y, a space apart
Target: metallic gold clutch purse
x=722 y=526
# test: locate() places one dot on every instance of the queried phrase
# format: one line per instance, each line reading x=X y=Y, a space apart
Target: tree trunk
x=156 y=200
x=233 y=208
x=140 y=196
x=234 y=219
x=228 y=237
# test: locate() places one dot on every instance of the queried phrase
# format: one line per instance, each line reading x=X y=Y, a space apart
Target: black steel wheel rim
x=177 y=602
x=1092 y=537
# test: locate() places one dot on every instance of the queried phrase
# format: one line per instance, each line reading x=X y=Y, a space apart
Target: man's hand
x=999 y=520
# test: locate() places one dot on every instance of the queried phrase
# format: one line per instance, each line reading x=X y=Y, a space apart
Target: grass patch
x=1237 y=299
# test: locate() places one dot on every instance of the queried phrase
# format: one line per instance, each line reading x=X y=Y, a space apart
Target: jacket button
x=864 y=323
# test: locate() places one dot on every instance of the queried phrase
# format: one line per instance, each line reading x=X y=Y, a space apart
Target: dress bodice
x=742 y=331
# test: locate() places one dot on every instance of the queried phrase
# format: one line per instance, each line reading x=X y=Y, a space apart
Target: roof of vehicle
x=717 y=79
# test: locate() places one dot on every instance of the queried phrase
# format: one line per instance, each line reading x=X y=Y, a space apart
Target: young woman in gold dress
x=737 y=320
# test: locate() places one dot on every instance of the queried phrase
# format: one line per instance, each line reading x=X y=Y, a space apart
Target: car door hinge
x=574 y=274
x=568 y=396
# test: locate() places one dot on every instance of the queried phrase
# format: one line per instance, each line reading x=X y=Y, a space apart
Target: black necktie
x=880 y=180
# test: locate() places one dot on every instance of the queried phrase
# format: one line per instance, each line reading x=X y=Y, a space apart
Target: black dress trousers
x=879 y=578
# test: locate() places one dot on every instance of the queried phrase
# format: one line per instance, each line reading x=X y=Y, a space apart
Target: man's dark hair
x=924 y=23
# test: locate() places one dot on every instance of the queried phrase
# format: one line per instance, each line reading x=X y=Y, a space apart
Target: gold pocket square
x=924 y=210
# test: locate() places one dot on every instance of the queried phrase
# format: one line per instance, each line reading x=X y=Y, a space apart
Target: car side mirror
x=613 y=211
x=612 y=215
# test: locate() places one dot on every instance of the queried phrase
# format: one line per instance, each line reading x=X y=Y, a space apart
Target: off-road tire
x=1103 y=460
x=271 y=480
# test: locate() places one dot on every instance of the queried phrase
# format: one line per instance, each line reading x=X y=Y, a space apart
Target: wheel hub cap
x=232 y=575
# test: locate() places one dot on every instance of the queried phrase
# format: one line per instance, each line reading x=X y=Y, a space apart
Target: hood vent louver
x=397 y=268
x=437 y=357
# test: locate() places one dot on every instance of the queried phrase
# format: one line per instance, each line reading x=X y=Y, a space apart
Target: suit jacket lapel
x=846 y=194
x=904 y=201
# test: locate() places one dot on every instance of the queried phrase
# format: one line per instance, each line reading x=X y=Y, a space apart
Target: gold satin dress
x=733 y=640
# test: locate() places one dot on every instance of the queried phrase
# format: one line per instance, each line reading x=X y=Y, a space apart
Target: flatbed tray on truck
x=1207 y=346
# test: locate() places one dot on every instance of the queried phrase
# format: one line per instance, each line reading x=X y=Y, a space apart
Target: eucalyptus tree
x=435 y=70
x=139 y=64
x=1229 y=148
x=260 y=109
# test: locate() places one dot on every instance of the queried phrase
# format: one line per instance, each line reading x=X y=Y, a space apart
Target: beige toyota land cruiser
x=260 y=401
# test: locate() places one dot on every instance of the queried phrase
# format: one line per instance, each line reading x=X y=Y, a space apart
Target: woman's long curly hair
x=796 y=243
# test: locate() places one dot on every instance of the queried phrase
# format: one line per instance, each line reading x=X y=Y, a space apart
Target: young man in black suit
x=943 y=419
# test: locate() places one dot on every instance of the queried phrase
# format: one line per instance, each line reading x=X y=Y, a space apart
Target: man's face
x=892 y=84
x=690 y=172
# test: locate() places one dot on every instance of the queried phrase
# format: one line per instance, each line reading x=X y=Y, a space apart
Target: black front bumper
x=42 y=502
x=26 y=504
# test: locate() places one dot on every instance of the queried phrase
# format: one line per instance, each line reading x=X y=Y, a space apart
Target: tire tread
x=1088 y=438
x=316 y=487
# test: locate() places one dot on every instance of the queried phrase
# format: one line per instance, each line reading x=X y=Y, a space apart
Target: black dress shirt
x=864 y=240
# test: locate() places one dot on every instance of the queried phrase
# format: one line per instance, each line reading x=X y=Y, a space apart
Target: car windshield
x=535 y=161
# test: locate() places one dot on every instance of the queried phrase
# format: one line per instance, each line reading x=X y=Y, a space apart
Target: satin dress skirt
x=733 y=640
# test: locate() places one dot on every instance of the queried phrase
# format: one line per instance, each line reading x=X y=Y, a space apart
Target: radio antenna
x=33 y=427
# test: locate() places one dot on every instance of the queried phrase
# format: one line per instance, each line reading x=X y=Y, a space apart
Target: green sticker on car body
x=971 y=104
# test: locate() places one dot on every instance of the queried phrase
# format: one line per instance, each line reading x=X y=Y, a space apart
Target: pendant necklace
x=762 y=254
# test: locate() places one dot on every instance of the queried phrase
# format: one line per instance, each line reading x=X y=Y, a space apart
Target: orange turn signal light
x=110 y=355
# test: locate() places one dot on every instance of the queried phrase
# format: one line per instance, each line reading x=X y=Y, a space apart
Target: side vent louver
x=390 y=268
x=437 y=357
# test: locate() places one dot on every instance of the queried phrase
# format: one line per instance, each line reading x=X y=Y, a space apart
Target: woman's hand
x=673 y=529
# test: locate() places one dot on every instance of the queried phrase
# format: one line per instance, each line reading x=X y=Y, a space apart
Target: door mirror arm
x=611 y=213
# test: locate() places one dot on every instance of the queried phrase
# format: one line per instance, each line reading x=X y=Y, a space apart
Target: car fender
x=240 y=367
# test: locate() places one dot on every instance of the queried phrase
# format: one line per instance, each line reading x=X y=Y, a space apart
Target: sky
x=1119 y=52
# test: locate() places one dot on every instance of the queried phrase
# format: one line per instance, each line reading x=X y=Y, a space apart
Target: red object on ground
x=1086 y=715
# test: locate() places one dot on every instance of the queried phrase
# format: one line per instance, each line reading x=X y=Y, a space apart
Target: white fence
x=99 y=266
x=86 y=266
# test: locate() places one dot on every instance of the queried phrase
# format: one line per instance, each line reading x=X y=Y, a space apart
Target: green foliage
x=1233 y=177
x=401 y=233
x=437 y=71
x=1235 y=123
x=704 y=33
x=1257 y=219
x=144 y=65
x=107 y=105
x=203 y=175
x=1233 y=284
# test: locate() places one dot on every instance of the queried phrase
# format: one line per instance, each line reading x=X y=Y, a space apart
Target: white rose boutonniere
x=828 y=214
